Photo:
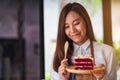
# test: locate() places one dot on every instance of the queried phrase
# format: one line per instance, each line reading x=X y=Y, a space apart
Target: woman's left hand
x=99 y=75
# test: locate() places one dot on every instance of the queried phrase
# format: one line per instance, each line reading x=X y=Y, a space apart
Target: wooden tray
x=96 y=69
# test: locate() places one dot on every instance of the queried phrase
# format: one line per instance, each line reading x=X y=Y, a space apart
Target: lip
x=74 y=36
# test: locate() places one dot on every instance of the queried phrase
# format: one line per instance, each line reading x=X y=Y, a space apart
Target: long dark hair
x=61 y=36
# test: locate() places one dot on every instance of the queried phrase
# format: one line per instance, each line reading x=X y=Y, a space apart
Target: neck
x=84 y=40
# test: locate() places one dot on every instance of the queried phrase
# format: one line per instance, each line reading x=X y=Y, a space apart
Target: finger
x=62 y=71
x=62 y=68
x=99 y=76
x=103 y=72
x=64 y=62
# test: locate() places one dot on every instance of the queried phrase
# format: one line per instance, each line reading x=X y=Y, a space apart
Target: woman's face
x=75 y=28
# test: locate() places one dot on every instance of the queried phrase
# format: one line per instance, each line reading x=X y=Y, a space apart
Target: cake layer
x=83 y=63
x=83 y=60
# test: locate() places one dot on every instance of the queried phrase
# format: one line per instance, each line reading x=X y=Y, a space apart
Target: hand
x=62 y=70
x=99 y=75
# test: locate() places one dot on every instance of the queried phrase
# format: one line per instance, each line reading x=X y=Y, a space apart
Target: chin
x=76 y=41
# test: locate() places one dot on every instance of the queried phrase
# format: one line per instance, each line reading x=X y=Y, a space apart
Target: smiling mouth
x=75 y=36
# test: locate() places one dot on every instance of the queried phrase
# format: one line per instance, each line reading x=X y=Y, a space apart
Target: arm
x=111 y=66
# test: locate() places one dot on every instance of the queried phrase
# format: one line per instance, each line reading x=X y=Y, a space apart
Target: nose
x=72 y=29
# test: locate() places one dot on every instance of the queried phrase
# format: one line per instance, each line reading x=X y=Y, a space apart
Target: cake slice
x=83 y=63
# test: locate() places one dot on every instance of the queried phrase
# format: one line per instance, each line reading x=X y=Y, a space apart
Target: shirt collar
x=85 y=45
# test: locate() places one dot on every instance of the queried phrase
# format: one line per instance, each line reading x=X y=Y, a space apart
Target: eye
x=76 y=23
x=66 y=26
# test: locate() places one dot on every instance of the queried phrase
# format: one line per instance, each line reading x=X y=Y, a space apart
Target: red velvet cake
x=83 y=63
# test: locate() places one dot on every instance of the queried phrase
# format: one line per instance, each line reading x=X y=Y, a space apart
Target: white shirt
x=103 y=54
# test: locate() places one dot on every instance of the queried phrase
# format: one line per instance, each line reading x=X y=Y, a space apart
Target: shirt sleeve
x=54 y=75
x=111 y=66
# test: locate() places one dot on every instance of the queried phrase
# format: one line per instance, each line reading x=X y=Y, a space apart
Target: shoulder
x=102 y=46
x=104 y=50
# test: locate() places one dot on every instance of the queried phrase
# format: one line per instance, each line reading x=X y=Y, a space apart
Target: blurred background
x=19 y=40
x=105 y=17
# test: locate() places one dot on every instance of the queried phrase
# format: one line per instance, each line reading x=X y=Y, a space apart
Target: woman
x=76 y=28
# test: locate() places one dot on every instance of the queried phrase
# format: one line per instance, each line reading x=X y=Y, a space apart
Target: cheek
x=83 y=29
x=84 y=32
x=67 y=32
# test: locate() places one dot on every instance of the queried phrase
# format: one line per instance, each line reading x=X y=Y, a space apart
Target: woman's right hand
x=62 y=71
